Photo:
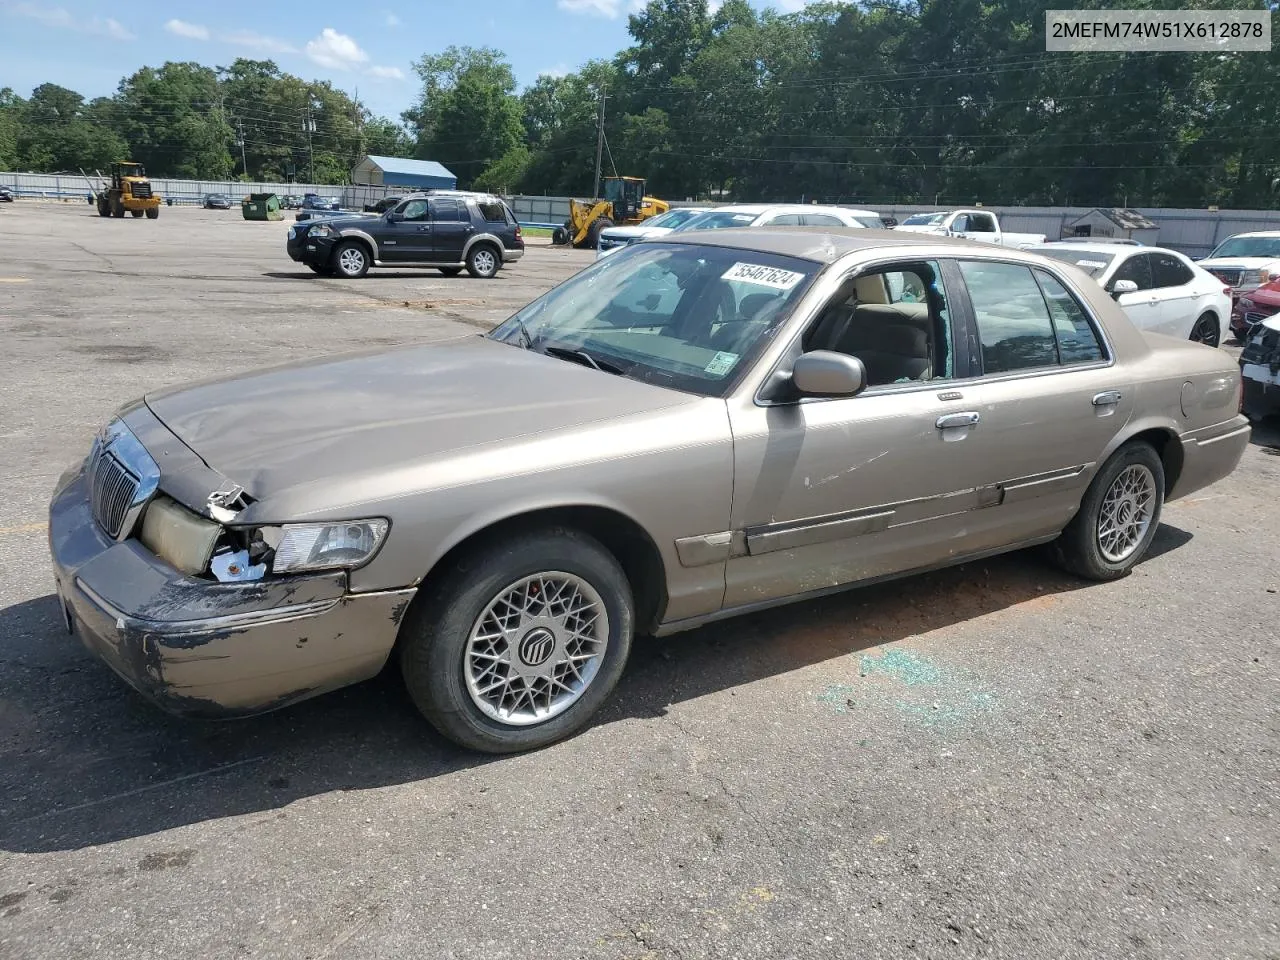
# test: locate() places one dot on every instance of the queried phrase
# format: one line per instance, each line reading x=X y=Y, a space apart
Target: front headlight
x=320 y=230
x=324 y=546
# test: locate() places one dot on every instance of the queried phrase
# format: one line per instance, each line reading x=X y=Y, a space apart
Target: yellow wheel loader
x=624 y=203
x=128 y=190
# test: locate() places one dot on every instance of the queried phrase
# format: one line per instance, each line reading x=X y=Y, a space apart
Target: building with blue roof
x=395 y=172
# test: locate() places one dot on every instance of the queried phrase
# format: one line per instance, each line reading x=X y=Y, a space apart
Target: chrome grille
x=113 y=491
x=1252 y=318
x=1229 y=277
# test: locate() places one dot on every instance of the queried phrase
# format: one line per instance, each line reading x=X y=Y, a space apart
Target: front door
x=831 y=491
x=1177 y=303
x=1141 y=305
x=406 y=236
x=451 y=228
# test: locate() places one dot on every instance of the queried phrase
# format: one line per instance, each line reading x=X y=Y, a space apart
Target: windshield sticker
x=1096 y=264
x=743 y=217
x=763 y=276
x=721 y=364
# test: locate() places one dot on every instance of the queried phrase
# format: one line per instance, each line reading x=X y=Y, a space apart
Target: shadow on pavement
x=85 y=761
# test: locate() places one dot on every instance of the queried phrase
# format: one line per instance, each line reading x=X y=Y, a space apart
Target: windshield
x=1090 y=261
x=718 y=220
x=1248 y=247
x=672 y=218
x=924 y=219
x=687 y=317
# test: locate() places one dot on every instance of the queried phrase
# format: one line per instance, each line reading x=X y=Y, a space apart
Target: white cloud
x=556 y=72
x=335 y=50
x=393 y=20
x=386 y=73
x=257 y=41
x=612 y=9
x=59 y=18
x=193 y=31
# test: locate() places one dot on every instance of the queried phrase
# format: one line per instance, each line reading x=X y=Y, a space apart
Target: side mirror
x=824 y=373
x=1121 y=287
x=393 y=217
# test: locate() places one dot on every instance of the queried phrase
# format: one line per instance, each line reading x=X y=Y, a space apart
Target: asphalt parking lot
x=991 y=761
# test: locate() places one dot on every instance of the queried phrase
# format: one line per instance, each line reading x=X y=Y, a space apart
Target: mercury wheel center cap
x=536 y=646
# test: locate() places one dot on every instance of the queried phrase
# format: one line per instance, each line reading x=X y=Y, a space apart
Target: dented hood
x=323 y=420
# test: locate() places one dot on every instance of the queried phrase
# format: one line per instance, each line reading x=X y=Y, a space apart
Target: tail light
x=1226 y=290
x=518 y=236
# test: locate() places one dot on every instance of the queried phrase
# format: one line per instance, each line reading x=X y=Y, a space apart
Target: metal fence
x=1193 y=232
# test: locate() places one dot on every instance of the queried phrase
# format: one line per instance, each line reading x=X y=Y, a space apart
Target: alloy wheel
x=535 y=648
x=1206 y=331
x=485 y=262
x=1126 y=513
x=351 y=261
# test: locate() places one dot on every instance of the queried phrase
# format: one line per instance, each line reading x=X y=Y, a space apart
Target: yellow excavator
x=624 y=203
x=128 y=189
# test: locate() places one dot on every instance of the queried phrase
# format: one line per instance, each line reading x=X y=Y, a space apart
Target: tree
x=174 y=121
x=467 y=115
x=58 y=132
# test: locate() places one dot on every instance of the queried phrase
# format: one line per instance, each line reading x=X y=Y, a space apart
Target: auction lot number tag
x=762 y=275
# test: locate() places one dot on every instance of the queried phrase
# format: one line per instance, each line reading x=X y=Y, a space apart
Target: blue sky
x=368 y=47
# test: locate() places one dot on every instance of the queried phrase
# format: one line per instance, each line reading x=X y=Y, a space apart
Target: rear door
x=1051 y=395
x=450 y=229
x=1177 y=303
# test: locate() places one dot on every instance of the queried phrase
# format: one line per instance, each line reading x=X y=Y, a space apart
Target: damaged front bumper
x=200 y=648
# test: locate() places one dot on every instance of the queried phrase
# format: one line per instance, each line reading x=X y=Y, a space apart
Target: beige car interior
x=894 y=340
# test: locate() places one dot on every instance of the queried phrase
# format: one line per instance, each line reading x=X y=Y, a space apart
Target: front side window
x=1137 y=268
x=691 y=318
x=894 y=320
x=413 y=210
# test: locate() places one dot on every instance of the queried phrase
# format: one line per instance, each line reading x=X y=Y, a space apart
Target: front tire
x=483 y=261
x=1118 y=516
x=1206 y=330
x=350 y=260
x=521 y=643
x=451 y=271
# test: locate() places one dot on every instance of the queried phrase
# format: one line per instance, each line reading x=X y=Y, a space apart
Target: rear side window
x=1077 y=340
x=822 y=220
x=1014 y=326
x=785 y=220
x=446 y=210
x=493 y=210
x=1168 y=271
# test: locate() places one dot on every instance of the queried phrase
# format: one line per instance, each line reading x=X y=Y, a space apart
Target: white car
x=1161 y=290
x=615 y=238
x=781 y=215
x=1246 y=261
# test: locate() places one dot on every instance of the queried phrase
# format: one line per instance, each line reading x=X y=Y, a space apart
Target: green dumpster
x=261 y=206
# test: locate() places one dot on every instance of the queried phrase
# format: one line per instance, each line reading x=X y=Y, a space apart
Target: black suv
x=475 y=231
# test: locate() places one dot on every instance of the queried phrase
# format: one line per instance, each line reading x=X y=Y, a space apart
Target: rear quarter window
x=492 y=210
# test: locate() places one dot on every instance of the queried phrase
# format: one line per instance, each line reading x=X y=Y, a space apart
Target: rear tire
x=451 y=658
x=104 y=210
x=483 y=261
x=350 y=260
x=1206 y=330
x=1118 y=516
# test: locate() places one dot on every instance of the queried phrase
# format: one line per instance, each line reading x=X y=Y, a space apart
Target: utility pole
x=311 y=154
x=240 y=142
x=599 y=142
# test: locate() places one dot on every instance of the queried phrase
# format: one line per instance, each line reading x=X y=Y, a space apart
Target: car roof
x=758 y=208
x=1255 y=233
x=825 y=244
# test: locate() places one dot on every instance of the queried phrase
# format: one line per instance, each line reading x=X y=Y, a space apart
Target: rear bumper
x=204 y=649
x=1209 y=454
x=512 y=254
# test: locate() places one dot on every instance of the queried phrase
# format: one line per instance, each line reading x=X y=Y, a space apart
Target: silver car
x=692 y=428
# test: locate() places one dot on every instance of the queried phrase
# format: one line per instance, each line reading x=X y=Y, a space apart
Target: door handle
x=1107 y=398
x=951 y=420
